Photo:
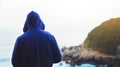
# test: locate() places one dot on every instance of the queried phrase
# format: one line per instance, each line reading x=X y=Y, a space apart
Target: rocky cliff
x=102 y=46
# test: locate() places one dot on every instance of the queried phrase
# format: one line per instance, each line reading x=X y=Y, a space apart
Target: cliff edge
x=102 y=46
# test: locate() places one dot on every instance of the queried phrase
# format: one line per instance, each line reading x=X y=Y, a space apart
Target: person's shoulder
x=48 y=33
x=22 y=36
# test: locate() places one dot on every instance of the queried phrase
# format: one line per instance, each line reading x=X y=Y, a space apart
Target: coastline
x=77 y=55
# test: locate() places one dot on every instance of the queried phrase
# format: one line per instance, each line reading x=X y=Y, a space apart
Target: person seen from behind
x=36 y=47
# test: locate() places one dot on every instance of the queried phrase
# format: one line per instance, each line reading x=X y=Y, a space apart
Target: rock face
x=79 y=54
x=118 y=51
x=102 y=46
x=71 y=54
x=105 y=38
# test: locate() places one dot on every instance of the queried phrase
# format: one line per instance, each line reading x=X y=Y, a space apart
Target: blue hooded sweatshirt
x=36 y=47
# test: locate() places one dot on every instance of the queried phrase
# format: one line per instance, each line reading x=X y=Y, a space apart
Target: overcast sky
x=69 y=20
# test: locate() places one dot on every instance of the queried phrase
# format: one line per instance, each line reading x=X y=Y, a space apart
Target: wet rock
x=79 y=55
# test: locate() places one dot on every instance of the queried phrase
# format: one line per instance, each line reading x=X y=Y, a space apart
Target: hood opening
x=33 y=21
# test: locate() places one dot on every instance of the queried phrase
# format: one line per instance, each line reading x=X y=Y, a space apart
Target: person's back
x=36 y=47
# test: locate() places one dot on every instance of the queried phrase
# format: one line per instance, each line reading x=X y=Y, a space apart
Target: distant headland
x=101 y=47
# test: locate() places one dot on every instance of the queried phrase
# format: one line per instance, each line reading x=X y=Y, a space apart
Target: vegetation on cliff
x=105 y=38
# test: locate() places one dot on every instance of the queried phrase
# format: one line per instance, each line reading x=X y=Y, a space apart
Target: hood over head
x=33 y=21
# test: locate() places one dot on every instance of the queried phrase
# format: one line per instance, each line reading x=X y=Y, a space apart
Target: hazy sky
x=69 y=20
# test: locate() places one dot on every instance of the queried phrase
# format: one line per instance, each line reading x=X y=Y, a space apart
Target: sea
x=7 y=40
